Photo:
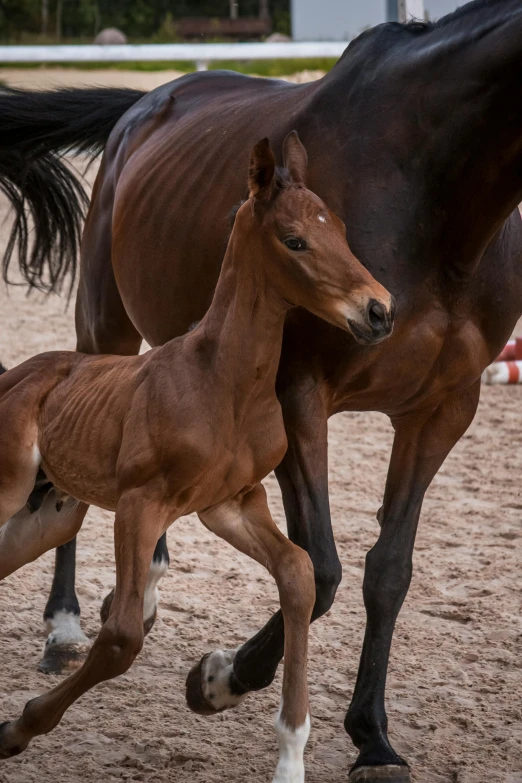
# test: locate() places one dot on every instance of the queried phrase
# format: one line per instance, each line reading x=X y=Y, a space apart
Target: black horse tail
x=36 y=130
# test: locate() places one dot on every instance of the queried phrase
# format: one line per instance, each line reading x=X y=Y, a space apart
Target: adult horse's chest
x=429 y=356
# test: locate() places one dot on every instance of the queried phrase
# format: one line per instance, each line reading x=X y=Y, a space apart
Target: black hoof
x=62 y=660
x=389 y=773
x=194 y=690
x=8 y=751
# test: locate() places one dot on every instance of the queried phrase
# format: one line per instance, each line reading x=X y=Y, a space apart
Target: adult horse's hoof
x=209 y=684
x=66 y=646
x=389 y=773
x=63 y=658
x=8 y=749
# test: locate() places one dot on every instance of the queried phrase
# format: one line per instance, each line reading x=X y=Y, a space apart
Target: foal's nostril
x=376 y=315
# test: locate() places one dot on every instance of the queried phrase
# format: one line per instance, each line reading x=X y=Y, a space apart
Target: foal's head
x=303 y=248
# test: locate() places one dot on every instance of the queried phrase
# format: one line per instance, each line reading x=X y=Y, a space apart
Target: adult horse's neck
x=243 y=329
x=434 y=115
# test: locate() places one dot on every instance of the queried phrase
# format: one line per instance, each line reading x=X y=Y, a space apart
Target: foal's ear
x=262 y=171
x=295 y=158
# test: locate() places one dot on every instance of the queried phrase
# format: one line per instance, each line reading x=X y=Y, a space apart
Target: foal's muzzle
x=378 y=323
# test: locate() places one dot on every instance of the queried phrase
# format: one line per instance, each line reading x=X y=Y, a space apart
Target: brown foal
x=192 y=426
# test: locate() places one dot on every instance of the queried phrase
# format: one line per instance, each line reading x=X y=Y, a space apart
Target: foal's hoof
x=106 y=608
x=8 y=749
x=389 y=773
x=209 y=686
x=194 y=690
x=63 y=659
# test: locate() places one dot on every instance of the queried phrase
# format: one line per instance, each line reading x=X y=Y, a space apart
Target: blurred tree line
x=138 y=19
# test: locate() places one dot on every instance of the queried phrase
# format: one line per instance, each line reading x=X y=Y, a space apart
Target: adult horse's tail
x=36 y=130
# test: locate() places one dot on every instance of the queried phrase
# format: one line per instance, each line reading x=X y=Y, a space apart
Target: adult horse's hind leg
x=102 y=326
x=140 y=520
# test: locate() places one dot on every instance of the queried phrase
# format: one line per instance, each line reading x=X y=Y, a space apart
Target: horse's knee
x=326 y=583
x=118 y=647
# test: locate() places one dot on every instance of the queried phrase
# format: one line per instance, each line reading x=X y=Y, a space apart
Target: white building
x=341 y=20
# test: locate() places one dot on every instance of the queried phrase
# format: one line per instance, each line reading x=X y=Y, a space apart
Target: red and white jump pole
x=508 y=365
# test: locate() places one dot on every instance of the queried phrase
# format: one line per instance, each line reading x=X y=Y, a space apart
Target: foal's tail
x=36 y=130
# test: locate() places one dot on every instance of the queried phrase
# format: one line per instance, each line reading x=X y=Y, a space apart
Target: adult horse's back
x=415 y=139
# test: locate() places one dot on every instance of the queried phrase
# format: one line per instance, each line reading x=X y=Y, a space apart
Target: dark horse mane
x=420 y=26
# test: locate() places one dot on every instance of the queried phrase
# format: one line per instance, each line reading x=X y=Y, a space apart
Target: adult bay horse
x=415 y=139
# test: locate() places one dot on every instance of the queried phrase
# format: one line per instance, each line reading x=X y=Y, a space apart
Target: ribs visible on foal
x=193 y=426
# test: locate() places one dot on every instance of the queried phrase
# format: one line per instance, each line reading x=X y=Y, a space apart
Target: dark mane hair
x=467 y=9
x=421 y=26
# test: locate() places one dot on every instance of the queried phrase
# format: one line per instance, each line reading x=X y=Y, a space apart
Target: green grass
x=186 y=67
x=260 y=67
x=276 y=67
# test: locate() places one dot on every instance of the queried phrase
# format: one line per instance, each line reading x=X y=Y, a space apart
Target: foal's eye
x=294 y=243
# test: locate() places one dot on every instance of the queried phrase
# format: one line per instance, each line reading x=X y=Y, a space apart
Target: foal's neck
x=243 y=328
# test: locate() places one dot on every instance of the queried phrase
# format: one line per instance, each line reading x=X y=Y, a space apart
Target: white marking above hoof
x=292 y=742
x=215 y=680
x=157 y=570
x=64 y=630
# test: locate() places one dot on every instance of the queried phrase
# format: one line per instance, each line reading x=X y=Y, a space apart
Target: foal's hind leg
x=140 y=519
x=248 y=525
x=26 y=536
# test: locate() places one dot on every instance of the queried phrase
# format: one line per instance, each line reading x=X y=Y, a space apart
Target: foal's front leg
x=139 y=522
x=303 y=477
x=421 y=445
x=248 y=525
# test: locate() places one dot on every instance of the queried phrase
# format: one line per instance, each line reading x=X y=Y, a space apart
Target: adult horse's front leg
x=303 y=477
x=422 y=443
x=140 y=520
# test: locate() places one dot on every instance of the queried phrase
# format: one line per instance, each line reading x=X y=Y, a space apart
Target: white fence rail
x=201 y=54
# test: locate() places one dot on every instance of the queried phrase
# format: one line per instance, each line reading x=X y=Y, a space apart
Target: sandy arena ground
x=455 y=674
